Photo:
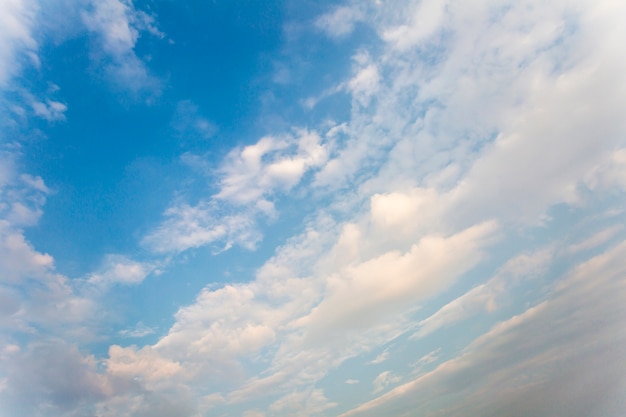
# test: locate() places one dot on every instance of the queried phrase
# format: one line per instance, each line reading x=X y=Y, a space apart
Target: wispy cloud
x=454 y=151
x=138 y=331
x=17 y=43
x=117 y=25
x=384 y=380
x=249 y=180
x=512 y=366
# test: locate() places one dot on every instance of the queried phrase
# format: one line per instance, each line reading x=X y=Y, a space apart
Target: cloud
x=302 y=404
x=51 y=377
x=187 y=227
x=467 y=125
x=140 y=330
x=426 y=19
x=33 y=292
x=248 y=180
x=430 y=357
x=382 y=357
x=189 y=125
x=118 y=269
x=17 y=42
x=558 y=357
x=384 y=380
x=118 y=25
x=486 y=297
x=457 y=141
x=393 y=281
x=339 y=22
x=50 y=110
x=596 y=240
x=271 y=164
x=144 y=363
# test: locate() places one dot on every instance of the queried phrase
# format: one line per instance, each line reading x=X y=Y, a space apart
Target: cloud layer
x=458 y=242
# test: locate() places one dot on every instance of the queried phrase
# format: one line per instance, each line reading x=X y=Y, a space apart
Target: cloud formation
x=474 y=132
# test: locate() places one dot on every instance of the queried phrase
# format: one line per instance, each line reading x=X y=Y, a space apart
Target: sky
x=302 y=208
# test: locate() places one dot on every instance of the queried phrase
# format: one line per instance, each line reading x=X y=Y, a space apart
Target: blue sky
x=356 y=208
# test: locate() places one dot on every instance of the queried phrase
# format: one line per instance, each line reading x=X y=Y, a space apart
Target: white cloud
x=138 y=331
x=384 y=380
x=249 y=179
x=188 y=227
x=254 y=413
x=302 y=404
x=33 y=292
x=463 y=132
x=118 y=269
x=427 y=19
x=118 y=25
x=17 y=18
x=365 y=84
x=486 y=297
x=18 y=259
x=50 y=110
x=143 y=363
x=339 y=22
x=270 y=165
x=382 y=357
x=610 y=174
x=391 y=282
x=596 y=240
x=430 y=357
x=557 y=358
x=50 y=377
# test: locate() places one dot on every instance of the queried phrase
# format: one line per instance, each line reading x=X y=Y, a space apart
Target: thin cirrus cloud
x=477 y=179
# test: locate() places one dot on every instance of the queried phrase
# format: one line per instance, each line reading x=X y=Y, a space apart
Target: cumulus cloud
x=51 y=377
x=33 y=293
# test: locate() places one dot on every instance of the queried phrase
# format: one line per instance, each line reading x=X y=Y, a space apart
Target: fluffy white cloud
x=33 y=293
x=51 y=377
x=272 y=164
